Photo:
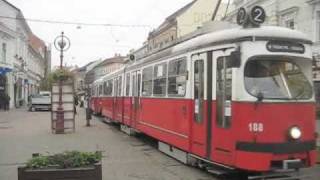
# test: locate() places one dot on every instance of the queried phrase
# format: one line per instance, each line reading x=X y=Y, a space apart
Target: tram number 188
x=255 y=127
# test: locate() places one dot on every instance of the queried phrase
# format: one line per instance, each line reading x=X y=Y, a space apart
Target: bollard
x=88 y=116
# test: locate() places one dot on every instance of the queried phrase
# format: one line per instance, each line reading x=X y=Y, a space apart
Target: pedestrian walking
x=2 y=101
x=88 y=110
x=7 y=102
x=75 y=104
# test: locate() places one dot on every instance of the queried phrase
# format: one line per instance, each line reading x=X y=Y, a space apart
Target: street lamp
x=62 y=44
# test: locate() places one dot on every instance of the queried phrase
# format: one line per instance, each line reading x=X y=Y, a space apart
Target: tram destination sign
x=282 y=46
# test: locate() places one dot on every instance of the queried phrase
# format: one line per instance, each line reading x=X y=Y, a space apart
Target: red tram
x=241 y=98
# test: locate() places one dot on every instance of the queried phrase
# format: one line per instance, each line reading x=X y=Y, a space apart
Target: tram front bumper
x=269 y=156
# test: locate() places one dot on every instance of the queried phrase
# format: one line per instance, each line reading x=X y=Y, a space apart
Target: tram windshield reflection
x=277 y=79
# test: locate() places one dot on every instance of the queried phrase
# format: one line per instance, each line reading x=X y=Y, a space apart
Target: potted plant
x=68 y=165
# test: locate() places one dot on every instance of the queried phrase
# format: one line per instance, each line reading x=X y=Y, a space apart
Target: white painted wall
x=8 y=11
x=15 y=34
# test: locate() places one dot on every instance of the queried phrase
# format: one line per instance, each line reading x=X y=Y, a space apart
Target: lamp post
x=62 y=44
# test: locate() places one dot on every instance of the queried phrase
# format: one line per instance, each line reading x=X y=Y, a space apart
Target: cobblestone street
x=125 y=158
x=23 y=133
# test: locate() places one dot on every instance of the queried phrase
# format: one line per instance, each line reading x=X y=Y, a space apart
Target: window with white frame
x=4 y=52
x=289 y=20
x=290 y=23
x=318 y=25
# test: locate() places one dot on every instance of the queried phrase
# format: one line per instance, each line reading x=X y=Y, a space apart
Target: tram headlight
x=295 y=133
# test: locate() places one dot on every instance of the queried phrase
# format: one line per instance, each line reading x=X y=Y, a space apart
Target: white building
x=15 y=72
x=36 y=64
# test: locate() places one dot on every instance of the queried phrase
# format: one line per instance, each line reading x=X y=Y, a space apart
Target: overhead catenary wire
x=78 y=23
x=227 y=8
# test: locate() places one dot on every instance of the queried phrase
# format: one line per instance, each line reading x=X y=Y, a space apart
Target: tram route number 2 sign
x=255 y=16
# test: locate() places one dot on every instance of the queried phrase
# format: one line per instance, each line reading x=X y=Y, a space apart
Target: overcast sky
x=90 y=43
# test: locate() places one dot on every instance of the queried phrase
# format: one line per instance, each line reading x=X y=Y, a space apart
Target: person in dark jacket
x=2 y=101
x=76 y=103
x=7 y=102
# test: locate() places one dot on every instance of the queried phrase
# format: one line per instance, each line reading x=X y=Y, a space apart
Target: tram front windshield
x=276 y=79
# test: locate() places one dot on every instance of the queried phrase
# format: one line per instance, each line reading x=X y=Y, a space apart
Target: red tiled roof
x=36 y=43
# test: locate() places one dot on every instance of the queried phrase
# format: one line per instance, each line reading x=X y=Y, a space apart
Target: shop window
x=147 y=81
x=177 y=78
x=160 y=80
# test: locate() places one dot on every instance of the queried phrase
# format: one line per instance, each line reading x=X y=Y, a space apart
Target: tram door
x=223 y=142
x=136 y=83
x=117 y=101
x=200 y=137
x=114 y=99
x=212 y=95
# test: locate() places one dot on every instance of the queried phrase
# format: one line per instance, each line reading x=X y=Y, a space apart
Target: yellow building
x=184 y=21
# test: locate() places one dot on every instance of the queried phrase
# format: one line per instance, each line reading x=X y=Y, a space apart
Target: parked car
x=41 y=101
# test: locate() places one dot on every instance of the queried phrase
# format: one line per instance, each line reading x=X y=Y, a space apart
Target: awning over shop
x=4 y=70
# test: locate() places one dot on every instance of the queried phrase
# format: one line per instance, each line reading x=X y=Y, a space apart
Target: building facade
x=183 y=22
x=36 y=64
x=101 y=68
x=20 y=62
x=108 y=65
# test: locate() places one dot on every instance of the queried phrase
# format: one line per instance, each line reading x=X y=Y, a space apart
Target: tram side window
x=224 y=93
x=199 y=90
x=119 y=85
x=177 y=78
x=160 y=79
x=105 y=88
x=147 y=81
x=109 y=87
x=97 y=90
x=128 y=84
x=100 y=90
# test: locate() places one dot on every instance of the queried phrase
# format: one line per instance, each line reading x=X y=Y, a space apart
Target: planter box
x=88 y=173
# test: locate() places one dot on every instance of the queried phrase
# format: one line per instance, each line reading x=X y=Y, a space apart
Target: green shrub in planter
x=68 y=159
x=73 y=165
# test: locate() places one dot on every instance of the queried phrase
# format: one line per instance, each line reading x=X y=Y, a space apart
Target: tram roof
x=241 y=34
x=225 y=36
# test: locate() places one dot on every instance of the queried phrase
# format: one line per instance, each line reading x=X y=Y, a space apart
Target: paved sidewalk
x=126 y=158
